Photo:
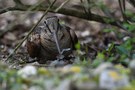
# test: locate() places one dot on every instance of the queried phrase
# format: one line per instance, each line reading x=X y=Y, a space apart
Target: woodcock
x=52 y=41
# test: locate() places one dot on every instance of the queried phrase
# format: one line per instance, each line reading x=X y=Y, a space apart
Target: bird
x=51 y=41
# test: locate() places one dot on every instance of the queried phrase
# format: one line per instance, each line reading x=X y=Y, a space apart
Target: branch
x=70 y=12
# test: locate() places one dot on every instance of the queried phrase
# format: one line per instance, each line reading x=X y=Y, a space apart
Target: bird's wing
x=73 y=36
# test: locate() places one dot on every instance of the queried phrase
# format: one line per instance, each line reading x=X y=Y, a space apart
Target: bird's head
x=52 y=23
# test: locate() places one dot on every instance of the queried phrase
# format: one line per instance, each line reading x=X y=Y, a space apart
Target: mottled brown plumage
x=48 y=42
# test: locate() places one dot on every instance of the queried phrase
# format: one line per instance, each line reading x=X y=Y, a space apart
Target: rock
x=27 y=71
x=112 y=79
x=126 y=38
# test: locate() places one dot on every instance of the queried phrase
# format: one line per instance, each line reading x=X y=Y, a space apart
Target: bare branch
x=69 y=12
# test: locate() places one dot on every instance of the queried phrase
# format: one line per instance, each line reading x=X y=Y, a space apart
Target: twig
x=87 y=9
x=61 y=5
x=18 y=2
x=84 y=8
x=70 y=12
x=31 y=30
x=122 y=9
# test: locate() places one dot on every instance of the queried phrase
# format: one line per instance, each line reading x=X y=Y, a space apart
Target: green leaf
x=100 y=56
x=96 y=62
x=107 y=30
x=131 y=27
x=122 y=50
x=78 y=46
